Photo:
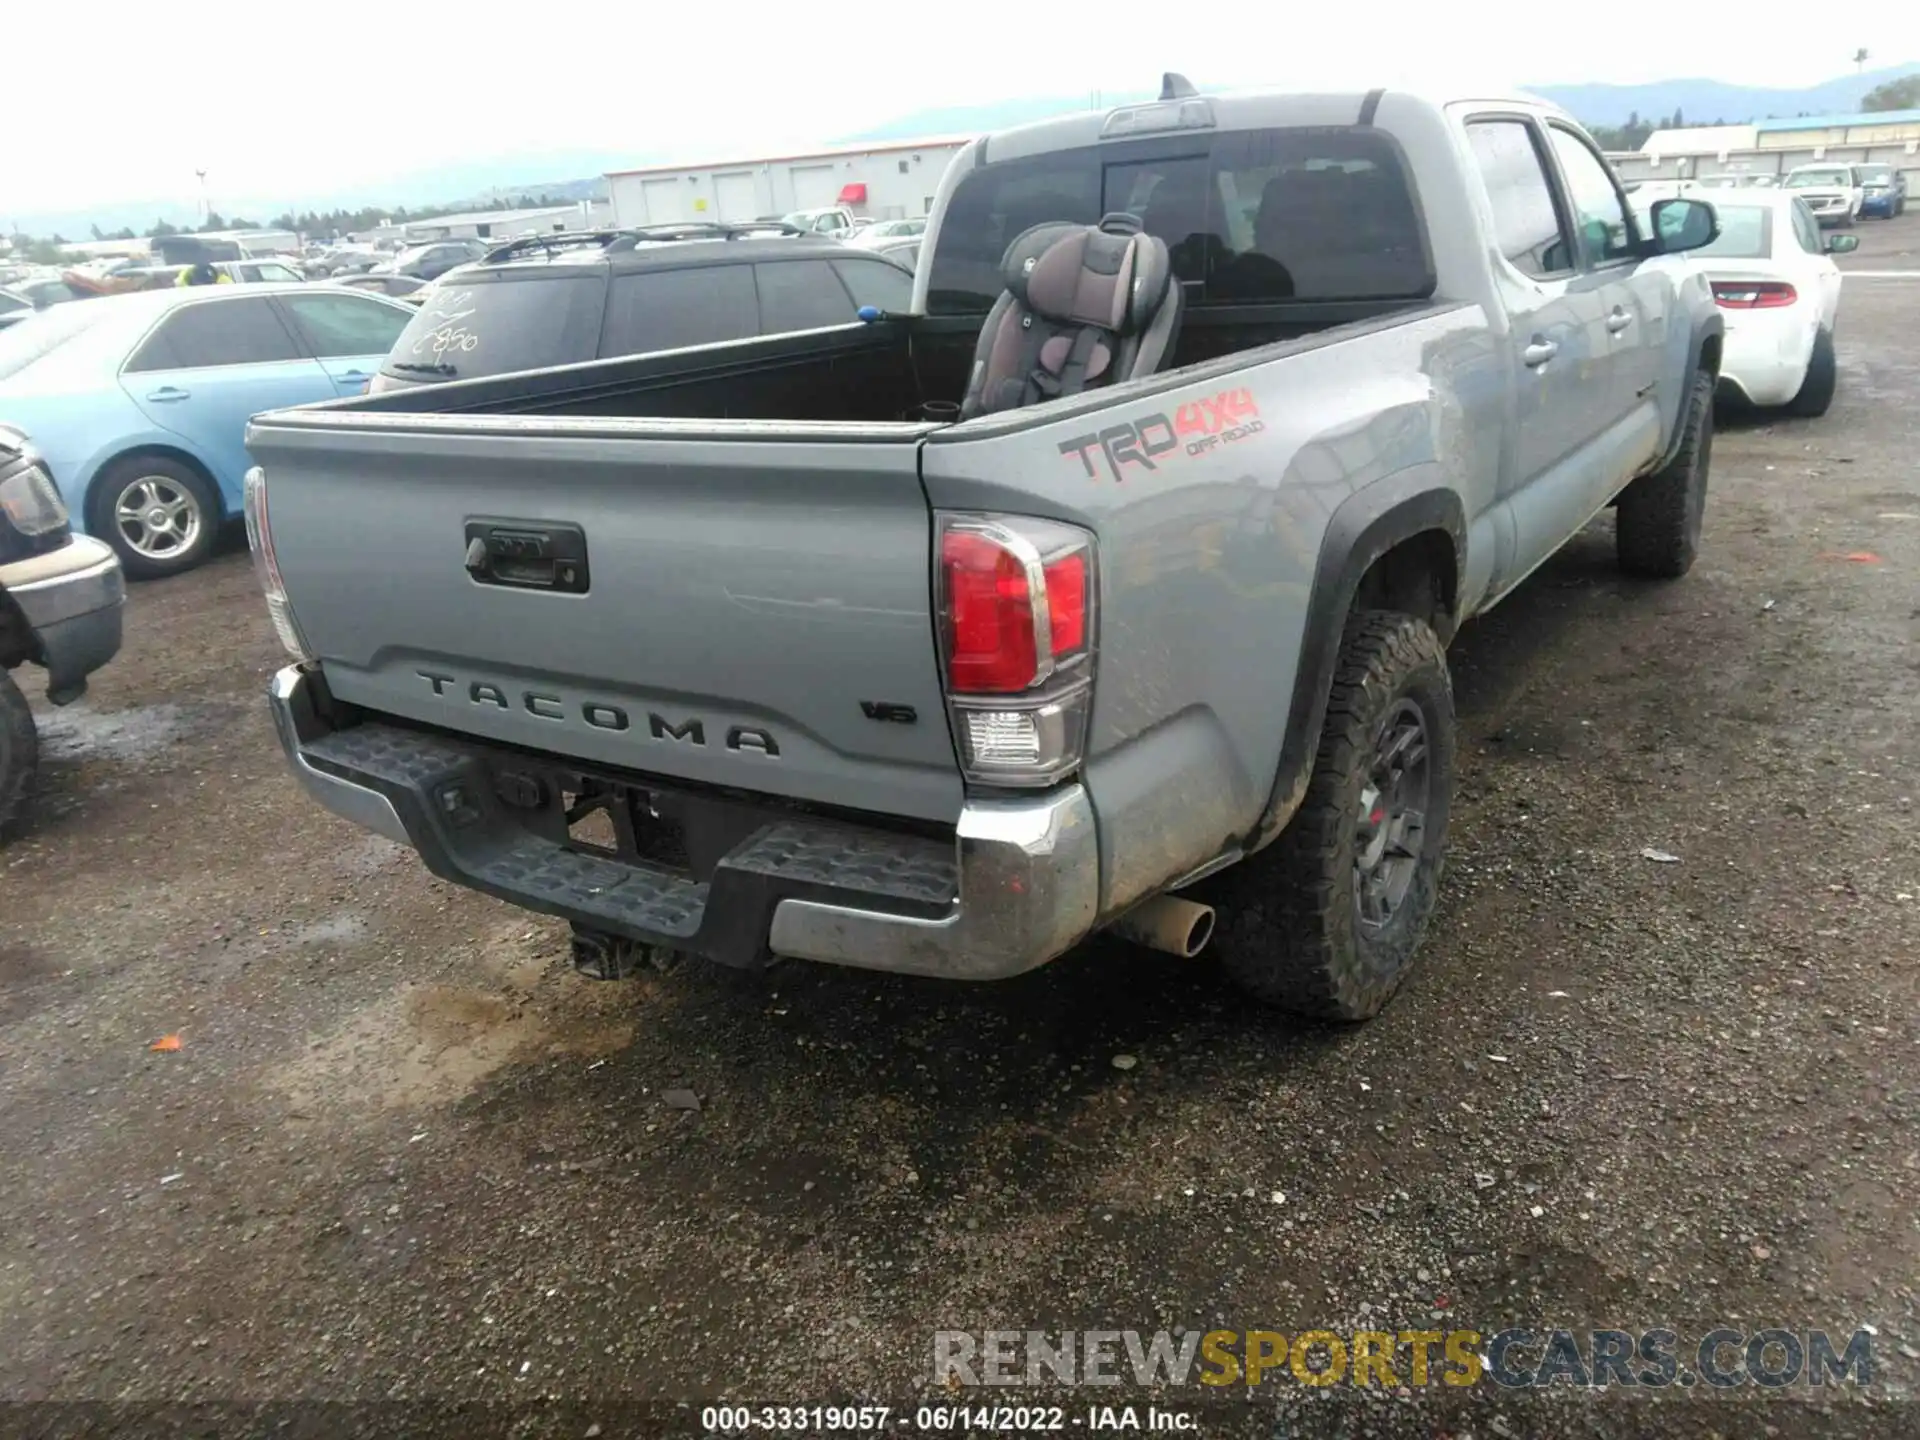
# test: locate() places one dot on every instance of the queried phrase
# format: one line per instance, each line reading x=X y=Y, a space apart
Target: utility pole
x=1860 y=61
x=205 y=209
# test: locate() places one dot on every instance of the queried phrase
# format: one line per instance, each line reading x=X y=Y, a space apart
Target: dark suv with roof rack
x=547 y=300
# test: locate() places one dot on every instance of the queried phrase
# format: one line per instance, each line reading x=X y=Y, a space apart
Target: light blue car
x=139 y=403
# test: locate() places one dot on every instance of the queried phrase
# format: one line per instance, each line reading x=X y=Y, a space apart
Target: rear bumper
x=1766 y=353
x=73 y=599
x=1017 y=885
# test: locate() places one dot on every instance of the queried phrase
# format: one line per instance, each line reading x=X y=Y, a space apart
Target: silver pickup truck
x=1110 y=585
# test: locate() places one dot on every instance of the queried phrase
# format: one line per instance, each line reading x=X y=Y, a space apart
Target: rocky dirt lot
x=403 y=1156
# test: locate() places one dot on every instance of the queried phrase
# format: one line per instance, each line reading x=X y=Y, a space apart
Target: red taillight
x=999 y=641
x=1016 y=599
x=1753 y=294
x=989 y=616
x=1067 y=603
x=266 y=564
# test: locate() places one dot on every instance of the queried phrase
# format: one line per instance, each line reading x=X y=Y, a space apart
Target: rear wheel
x=161 y=516
x=19 y=755
x=1326 y=921
x=1823 y=376
x=1657 y=522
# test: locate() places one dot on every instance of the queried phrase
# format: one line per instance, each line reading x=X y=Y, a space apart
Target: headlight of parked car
x=33 y=519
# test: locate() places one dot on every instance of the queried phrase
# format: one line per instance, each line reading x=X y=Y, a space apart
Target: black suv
x=560 y=299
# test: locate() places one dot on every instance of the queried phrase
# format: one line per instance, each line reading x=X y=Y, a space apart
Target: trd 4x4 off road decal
x=1151 y=440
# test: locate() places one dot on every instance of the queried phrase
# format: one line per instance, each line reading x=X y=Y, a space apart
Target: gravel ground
x=404 y=1156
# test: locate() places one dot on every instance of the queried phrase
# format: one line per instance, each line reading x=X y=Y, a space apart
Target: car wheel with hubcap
x=1326 y=920
x=161 y=517
x=19 y=754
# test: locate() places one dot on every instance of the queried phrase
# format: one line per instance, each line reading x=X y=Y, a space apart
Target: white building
x=506 y=224
x=887 y=179
x=1773 y=147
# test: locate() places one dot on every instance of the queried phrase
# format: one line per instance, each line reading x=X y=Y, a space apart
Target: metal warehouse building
x=1773 y=147
x=888 y=180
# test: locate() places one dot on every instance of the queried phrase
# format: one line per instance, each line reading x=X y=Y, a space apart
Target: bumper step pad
x=443 y=792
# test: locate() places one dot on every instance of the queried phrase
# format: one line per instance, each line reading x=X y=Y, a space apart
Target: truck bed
x=864 y=374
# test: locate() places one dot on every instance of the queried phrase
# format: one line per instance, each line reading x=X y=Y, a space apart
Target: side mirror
x=1683 y=225
x=1842 y=244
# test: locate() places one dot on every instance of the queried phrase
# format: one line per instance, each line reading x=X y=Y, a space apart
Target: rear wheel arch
x=1403 y=552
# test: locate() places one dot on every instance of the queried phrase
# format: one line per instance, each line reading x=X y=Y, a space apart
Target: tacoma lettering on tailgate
x=599 y=714
x=1150 y=441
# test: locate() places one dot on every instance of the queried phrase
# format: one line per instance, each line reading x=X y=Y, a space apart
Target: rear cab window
x=1249 y=217
x=519 y=317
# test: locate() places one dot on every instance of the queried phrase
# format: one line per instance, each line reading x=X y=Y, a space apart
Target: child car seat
x=1085 y=305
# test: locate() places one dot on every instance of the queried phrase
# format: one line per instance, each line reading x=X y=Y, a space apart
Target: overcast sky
x=112 y=101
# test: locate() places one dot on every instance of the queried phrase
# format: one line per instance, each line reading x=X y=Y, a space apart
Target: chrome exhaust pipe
x=1167 y=923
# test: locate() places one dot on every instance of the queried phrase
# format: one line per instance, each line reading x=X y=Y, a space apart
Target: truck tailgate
x=751 y=598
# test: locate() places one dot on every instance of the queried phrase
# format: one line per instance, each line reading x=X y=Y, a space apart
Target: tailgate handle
x=527 y=555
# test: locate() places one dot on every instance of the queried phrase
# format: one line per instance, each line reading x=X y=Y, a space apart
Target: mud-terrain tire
x=1373 y=828
x=1815 y=396
x=19 y=755
x=1657 y=522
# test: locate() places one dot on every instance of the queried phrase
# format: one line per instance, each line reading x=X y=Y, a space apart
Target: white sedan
x=1773 y=276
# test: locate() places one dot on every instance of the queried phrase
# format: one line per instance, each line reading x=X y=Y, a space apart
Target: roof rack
x=627 y=237
x=702 y=230
x=554 y=240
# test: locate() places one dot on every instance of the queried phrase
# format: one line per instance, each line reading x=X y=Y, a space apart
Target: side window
x=211 y=333
x=875 y=282
x=1526 y=222
x=799 y=295
x=669 y=309
x=251 y=274
x=340 y=325
x=1597 y=206
x=1806 y=229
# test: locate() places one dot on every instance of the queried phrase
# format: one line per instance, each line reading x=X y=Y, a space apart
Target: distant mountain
x=1707 y=102
x=1701 y=102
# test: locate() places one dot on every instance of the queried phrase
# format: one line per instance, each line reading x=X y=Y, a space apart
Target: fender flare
x=1366 y=526
x=1707 y=327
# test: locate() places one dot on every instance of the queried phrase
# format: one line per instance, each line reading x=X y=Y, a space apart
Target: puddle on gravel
x=80 y=732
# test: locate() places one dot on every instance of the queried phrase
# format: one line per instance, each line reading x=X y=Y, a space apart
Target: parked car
x=42 y=291
x=14 y=307
x=60 y=600
x=557 y=300
x=430 y=262
x=139 y=402
x=378 y=282
x=344 y=260
x=1832 y=192
x=1883 y=191
x=1738 y=181
x=1771 y=270
x=833 y=220
x=238 y=272
x=885 y=232
x=857 y=684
